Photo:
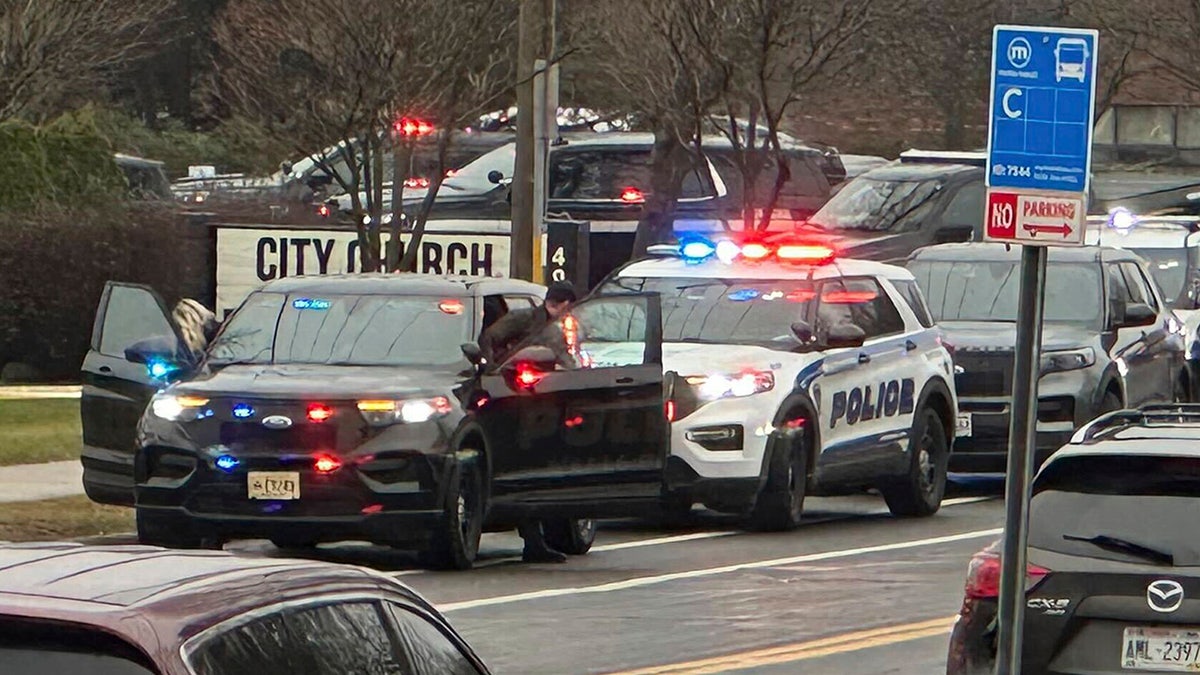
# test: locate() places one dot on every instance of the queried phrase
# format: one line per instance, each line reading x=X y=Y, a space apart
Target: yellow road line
x=836 y=644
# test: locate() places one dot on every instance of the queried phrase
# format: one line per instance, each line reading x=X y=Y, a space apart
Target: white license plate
x=273 y=484
x=1161 y=649
x=963 y=425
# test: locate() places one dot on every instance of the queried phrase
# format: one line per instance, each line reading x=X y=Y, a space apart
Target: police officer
x=496 y=343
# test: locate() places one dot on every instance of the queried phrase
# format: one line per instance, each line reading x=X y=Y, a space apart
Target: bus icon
x=1070 y=59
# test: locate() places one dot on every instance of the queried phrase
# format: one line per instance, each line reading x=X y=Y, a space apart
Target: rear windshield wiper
x=1119 y=545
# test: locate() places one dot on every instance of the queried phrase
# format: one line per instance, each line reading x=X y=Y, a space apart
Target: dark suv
x=1113 y=574
x=359 y=407
x=890 y=211
x=1109 y=340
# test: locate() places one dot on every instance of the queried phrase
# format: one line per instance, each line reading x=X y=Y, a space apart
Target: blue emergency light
x=696 y=249
x=1122 y=219
x=227 y=463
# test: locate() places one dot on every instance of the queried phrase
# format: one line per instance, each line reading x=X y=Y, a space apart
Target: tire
x=455 y=543
x=920 y=492
x=1110 y=403
x=573 y=537
x=1181 y=391
x=781 y=501
x=155 y=530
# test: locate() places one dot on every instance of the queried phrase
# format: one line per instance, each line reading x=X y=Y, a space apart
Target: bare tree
x=773 y=54
x=52 y=51
x=339 y=74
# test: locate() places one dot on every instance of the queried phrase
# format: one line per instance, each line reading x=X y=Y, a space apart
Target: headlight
x=410 y=411
x=177 y=408
x=1073 y=359
x=720 y=385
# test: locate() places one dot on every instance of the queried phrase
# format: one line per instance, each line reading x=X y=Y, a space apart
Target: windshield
x=1146 y=501
x=987 y=291
x=877 y=205
x=1169 y=266
x=725 y=310
x=353 y=330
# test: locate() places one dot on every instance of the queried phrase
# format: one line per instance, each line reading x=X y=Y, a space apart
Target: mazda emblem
x=277 y=422
x=1164 y=595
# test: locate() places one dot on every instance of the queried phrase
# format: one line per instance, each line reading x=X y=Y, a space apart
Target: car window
x=1170 y=269
x=724 y=311
x=860 y=302
x=348 y=638
x=1139 y=286
x=358 y=330
x=805 y=180
x=967 y=206
x=987 y=290
x=426 y=648
x=132 y=315
x=1149 y=501
x=28 y=648
x=609 y=174
x=520 y=301
x=879 y=205
x=911 y=292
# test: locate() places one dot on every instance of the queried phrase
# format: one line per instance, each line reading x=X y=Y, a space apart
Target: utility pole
x=535 y=49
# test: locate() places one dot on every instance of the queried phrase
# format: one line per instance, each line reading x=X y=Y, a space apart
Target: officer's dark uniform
x=497 y=343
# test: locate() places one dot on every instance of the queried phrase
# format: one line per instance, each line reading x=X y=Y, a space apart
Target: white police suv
x=796 y=373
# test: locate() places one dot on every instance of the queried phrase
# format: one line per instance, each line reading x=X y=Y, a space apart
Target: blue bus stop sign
x=1043 y=101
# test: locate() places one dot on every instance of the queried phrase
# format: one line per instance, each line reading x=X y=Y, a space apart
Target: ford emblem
x=277 y=422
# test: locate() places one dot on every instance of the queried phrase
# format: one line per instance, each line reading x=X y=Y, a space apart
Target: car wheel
x=920 y=492
x=574 y=537
x=456 y=541
x=1111 y=402
x=781 y=500
x=155 y=530
x=1181 y=392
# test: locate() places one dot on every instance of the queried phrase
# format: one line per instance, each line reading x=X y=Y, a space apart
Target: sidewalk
x=26 y=392
x=32 y=482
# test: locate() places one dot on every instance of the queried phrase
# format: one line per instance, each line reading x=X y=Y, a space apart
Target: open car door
x=576 y=416
x=116 y=389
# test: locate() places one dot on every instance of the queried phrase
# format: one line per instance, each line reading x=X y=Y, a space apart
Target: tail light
x=527 y=376
x=983 y=575
x=326 y=463
x=669 y=410
x=319 y=412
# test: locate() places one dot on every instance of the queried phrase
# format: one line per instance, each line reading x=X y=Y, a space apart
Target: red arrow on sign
x=1064 y=229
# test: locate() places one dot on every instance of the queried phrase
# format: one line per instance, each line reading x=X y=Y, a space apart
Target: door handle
x=864 y=358
x=909 y=345
x=624 y=380
x=105 y=369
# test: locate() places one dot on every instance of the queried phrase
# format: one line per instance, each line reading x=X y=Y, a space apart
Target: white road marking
x=638 y=582
x=696 y=536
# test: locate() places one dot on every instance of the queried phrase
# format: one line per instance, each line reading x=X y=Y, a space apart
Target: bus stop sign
x=1043 y=103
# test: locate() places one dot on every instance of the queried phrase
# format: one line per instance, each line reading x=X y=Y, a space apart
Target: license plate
x=963 y=425
x=1161 y=649
x=273 y=484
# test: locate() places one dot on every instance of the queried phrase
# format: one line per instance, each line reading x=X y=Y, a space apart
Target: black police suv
x=1109 y=340
x=359 y=407
x=1113 y=576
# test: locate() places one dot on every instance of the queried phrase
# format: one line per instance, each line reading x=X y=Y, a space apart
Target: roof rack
x=1157 y=413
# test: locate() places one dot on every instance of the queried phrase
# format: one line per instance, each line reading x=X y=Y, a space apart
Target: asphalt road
x=853 y=590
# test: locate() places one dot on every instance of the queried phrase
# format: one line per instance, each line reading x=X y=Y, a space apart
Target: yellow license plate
x=273 y=484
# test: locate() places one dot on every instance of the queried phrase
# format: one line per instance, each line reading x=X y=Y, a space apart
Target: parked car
x=1109 y=341
x=1113 y=572
x=66 y=608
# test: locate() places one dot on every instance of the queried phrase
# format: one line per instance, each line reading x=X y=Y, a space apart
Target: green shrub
x=63 y=163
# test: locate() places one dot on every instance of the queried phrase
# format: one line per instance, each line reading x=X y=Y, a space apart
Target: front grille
x=302 y=437
x=984 y=373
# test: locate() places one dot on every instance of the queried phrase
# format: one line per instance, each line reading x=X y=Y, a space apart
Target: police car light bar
x=696 y=249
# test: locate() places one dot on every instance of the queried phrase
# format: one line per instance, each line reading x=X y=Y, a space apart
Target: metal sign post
x=1039 y=162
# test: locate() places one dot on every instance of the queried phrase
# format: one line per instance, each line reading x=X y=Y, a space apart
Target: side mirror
x=285 y=167
x=845 y=335
x=1137 y=314
x=949 y=234
x=473 y=353
x=802 y=331
x=528 y=366
x=160 y=355
x=494 y=177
